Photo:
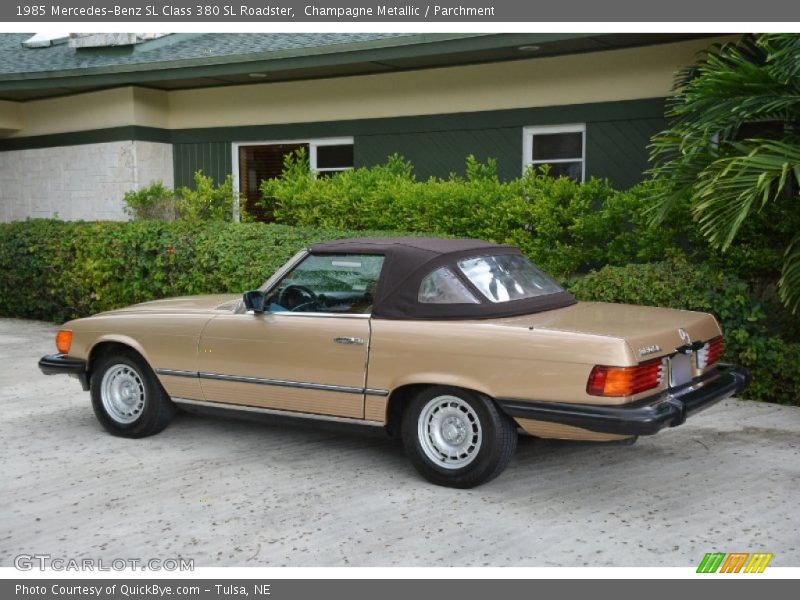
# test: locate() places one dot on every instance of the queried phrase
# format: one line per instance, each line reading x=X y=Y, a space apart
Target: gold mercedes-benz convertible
x=452 y=345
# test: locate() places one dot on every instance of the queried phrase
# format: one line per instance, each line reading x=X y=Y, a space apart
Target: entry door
x=257 y=163
x=305 y=363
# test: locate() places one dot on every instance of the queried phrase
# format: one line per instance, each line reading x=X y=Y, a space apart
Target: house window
x=329 y=158
x=562 y=147
x=254 y=162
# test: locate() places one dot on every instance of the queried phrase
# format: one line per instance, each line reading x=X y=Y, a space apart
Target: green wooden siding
x=617 y=150
x=213 y=158
x=438 y=153
x=617 y=136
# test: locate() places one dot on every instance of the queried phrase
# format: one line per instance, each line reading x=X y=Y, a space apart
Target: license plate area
x=680 y=369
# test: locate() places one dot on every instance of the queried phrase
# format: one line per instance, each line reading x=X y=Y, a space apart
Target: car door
x=308 y=353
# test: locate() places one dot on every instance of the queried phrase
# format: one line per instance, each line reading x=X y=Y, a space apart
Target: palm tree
x=733 y=144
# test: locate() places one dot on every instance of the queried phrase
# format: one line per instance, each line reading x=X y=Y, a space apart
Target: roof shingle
x=15 y=59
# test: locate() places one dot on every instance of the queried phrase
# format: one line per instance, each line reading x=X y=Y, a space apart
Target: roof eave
x=412 y=46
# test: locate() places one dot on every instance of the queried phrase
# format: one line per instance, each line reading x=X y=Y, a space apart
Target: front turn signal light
x=624 y=381
x=64 y=341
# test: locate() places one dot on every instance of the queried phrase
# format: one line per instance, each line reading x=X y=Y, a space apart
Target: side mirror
x=254 y=300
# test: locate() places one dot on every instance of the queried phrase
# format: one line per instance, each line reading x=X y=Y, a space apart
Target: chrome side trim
x=276 y=382
x=283 y=383
x=375 y=392
x=176 y=373
x=277 y=412
x=294 y=384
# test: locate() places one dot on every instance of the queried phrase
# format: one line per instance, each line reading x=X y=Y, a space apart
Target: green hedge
x=564 y=226
x=55 y=271
x=758 y=332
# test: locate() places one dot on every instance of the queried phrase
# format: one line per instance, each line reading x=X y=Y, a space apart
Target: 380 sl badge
x=647 y=350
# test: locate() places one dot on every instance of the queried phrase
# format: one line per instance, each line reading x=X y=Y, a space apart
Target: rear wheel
x=457 y=438
x=127 y=398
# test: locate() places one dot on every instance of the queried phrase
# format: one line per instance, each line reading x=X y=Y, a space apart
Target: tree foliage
x=733 y=145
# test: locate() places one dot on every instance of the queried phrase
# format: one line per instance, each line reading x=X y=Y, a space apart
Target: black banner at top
x=415 y=11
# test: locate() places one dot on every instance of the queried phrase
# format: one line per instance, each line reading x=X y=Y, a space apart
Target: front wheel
x=456 y=437
x=127 y=398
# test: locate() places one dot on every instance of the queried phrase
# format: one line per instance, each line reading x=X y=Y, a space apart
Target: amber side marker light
x=624 y=381
x=64 y=341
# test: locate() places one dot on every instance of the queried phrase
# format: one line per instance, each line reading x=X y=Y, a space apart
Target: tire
x=127 y=398
x=457 y=438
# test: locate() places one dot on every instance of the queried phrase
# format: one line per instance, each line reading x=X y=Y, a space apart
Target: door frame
x=313 y=144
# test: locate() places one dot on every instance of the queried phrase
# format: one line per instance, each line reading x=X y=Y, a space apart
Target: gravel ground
x=280 y=492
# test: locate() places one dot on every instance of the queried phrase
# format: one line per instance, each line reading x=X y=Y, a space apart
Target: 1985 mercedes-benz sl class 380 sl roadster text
x=452 y=345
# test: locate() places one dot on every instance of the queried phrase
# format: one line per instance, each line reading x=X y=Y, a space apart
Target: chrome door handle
x=348 y=340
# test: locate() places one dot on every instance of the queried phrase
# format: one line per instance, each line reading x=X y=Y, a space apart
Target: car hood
x=209 y=303
x=643 y=327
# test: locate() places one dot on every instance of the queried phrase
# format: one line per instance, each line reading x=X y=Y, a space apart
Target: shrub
x=154 y=202
x=754 y=335
x=57 y=270
x=564 y=226
x=206 y=201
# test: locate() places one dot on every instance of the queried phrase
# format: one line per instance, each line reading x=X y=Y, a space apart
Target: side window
x=507 y=277
x=443 y=287
x=329 y=284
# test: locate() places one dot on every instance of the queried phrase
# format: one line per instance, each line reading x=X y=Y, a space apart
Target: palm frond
x=783 y=54
x=729 y=188
x=789 y=283
x=700 y=157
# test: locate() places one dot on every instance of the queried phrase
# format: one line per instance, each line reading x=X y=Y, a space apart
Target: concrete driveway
x=277 y=493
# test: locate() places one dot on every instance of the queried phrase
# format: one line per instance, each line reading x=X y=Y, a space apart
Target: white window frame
x=528 y=134
x=313 y=144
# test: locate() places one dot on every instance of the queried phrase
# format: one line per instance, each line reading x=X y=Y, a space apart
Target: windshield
x=507 y=277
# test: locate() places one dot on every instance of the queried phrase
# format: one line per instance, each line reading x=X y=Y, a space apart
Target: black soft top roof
x=409 y=260
x=408 y=245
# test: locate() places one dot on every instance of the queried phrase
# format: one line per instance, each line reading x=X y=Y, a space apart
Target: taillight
x=624 y=381
x=710 y=353
x=64 y=341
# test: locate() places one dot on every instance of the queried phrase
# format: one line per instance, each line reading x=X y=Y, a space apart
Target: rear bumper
x=644 y=417
x=61 y=364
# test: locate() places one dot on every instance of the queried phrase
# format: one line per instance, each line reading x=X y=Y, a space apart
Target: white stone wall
x=84 y=182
